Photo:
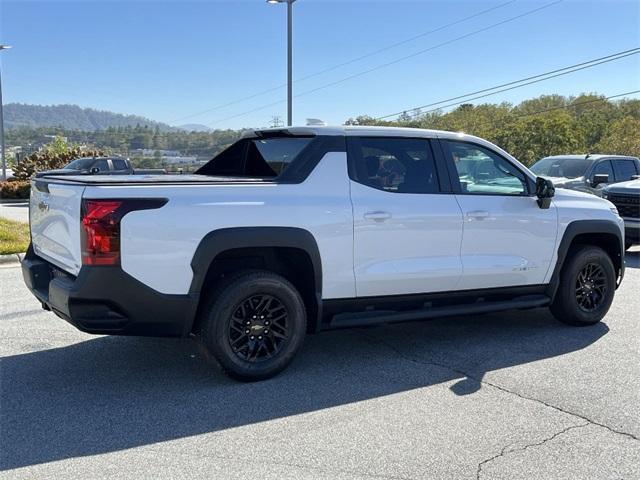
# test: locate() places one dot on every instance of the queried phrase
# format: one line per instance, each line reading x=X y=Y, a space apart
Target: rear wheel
x=254 y=325
x=587 y=286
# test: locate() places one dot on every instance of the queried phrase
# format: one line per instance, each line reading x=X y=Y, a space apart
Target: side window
x=102 y=165
x=481 y=171
x=625 y=169
x=119 y=164
x=269 y=157
x=261 y=157
x=395 y=164
x=603 y=168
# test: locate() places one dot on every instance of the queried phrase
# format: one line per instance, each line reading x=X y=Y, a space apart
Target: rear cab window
x=394 y=164
x=257 y=157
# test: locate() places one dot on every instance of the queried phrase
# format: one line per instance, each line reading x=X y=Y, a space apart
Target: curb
x=11 y=258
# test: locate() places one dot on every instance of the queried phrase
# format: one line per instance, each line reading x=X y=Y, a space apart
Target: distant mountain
x=72 y=117
x=194 y=127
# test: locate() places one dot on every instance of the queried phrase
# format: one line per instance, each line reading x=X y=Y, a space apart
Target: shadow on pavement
x=113 y=393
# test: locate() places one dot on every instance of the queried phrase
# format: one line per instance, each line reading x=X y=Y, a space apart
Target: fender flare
x=219 y=241
x=581 y=227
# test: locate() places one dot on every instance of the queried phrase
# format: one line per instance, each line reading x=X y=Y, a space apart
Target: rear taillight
x=101 y=227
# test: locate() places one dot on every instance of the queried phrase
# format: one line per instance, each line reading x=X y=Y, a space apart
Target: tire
x=276 y=318
x=587 y=286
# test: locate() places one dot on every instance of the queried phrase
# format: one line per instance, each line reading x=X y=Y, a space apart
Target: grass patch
x=14 y=236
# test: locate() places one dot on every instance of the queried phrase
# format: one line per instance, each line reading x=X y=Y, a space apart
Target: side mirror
x=544 y=191
x=94 y=170
x=599 y=178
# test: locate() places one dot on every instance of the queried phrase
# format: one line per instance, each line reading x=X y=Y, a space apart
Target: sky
x=184 y=62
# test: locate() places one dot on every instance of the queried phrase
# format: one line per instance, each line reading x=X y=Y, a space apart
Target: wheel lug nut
x=266 y=322
x=247 y=331
x=266 y=331
x=252 y=337
x=247 y=322
x=260 y=337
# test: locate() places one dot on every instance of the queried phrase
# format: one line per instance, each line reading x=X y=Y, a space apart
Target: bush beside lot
x=52 y=156
x=14 y=189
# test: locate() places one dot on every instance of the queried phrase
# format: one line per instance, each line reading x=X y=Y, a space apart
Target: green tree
x=622 y=137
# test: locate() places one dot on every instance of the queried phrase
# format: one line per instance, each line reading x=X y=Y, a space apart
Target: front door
x=508 y=239
x=407 y=226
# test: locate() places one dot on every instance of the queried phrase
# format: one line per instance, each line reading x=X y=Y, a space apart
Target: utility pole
x=2 y=157
x=289 y=57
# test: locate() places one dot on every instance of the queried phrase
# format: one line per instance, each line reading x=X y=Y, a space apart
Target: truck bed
x=147 y=179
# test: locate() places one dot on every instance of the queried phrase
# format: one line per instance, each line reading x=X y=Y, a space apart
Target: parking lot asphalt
x=511 y=395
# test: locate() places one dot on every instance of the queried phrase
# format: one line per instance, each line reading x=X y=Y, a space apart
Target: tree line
x=530 y=130
x=539 y=127
x=122 y=140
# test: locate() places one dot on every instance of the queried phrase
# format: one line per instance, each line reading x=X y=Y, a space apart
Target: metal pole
x=289 y=62
x=4 y=160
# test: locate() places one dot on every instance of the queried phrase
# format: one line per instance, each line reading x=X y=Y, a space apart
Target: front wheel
x=254 y=325
x=587 y=286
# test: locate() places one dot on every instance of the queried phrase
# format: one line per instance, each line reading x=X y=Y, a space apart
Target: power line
x=347 y=62
x=398 y=60
x=519 y=83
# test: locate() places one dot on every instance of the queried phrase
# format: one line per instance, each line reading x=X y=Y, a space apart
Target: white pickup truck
x=291 y=231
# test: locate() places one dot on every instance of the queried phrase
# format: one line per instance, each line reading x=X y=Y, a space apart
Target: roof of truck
x=360 y=130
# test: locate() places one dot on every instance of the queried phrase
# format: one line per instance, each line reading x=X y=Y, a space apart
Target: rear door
x=508 y=240
x=624 y=169
x=54 y=217
x=407 y=223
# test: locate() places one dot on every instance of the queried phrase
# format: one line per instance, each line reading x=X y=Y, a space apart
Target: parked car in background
x=101 y=166
x=587 y=173
x=626 y=197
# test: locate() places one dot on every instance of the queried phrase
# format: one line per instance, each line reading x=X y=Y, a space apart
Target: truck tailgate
x=54 y=217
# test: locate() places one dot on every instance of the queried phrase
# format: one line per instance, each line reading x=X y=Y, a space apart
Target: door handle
x=377 y=216
x=477 y=215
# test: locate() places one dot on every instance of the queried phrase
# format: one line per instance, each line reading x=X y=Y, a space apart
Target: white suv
x=290 y=231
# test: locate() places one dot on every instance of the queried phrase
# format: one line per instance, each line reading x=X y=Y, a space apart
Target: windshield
x=561 y=167
x=80 y=164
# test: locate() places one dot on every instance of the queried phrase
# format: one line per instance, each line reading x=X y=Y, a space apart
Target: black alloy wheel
x=258 y=328
x=591 y=287
x=253 y=323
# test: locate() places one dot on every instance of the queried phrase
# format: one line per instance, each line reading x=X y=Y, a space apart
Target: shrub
x=15 y=189
x=54 y=155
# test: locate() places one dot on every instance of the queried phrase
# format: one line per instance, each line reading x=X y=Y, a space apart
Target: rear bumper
x=106 y=300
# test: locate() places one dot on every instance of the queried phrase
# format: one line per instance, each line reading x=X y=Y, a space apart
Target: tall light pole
x=2 y=157
x=289 y=56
